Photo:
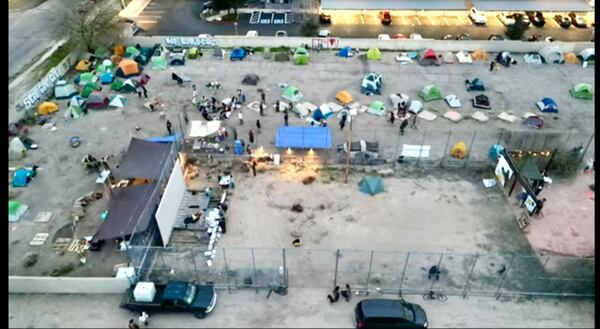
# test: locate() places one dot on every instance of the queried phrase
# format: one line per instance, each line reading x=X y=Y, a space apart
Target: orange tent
x=343 y=97
x=128 y=68
x=480 y=55
x=119 y=50
x=571 y=58
x=47 y=108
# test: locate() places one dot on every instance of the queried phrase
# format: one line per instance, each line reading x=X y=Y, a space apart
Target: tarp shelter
x=47 y=108
x=129 y=86
x=199 y=128
x=116 y=85
x=128 y=68
x=464 y=57
x=553 y=55
x=83 y=66
x=97 y=101
x=346 y=52
x=377 y=108
x=344 y=97
x=177 y=59
x=374 y=54
x=430 y=93
x=547 y=105
x=582 y=90
x=16 y=149
x=64 y=90
x=22 y=176
x=429 y=57
x=125 y=208
x=301 y=56
x=530 y=170
x=117 y=101
x=15 y=210
x=143 y=160
x=371 y=83
x=84 y=78
x=131 y=52
x=119 y=50
x=159 y=63
x=459 y=150
x=107 y=78
x=303 y=137
x=164 y=139
x=88 y=89
x=587 y=55
x=480 y=55
x=250 y=79
x=292 y=94
x=534 y=121
x=571 y=58
x=371 y=185
x=475 y=85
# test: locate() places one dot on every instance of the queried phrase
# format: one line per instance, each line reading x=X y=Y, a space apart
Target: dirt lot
x=62 y=178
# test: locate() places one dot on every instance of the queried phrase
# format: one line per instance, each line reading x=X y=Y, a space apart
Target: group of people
x=335 y=297
x=402 y=115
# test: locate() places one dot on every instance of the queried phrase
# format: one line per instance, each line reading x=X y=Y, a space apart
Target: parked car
x=464 y=36
x=324 y=19
x=281 y=34
x=536 y=18
x=522 y=17
x=415 y=36
x=389 y=313
x=204 y=36
x=385 y=17
x=495 y=37
x=577 y=20
x=324 y=33
x=399 y=36
x=505 y=20
x=563 y=21
x=252 y=34
x=383 y=37
x=448 y=37
x=478 y=17
x=180 y=296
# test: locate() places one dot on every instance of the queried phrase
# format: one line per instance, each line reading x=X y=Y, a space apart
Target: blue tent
x=237 y=54
x=547 y=105
x=371 y=185
x=304 y=137
x=495 y=151
x=20 y=177
x=345 y=52
x=107 y=78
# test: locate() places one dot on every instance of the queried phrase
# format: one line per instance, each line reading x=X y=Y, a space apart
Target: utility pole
x=349 y=150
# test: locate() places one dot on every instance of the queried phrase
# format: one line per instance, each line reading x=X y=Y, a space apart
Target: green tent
x=430 y=93
x=371 y=185
x=159 y=63
x=15 y=210
x=193 y=53
x=85 y=78
x=116 y=85
x=530 y=170
x=73 y=112
x=102 y=52
x=374 y=54
x=582 y=90
x=292 y=94
x=301 y=56
x=88 y=89
x=131 y=52
x=377 y=108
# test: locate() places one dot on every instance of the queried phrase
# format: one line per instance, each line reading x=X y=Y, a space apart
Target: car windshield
x=410 y=315
x=189 y=294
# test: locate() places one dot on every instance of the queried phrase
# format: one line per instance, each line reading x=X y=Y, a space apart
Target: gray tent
x=219 y=53
x=250 y=79
x=282 y=57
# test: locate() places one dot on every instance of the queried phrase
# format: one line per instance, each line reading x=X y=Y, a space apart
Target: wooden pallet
x=61 y=244
x=43 y=217
x=39 y=239
x=77 y=246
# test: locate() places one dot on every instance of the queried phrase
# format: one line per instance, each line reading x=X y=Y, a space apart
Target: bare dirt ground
x=301 y=308
x=109 y=131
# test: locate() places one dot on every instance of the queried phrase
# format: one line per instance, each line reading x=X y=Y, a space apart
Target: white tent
x=464 y=57
x=16 y=149
x=415 y=106
x=532 y=58
x=64 y=90
x=73 y=112
x=587 y=54
x=552 y=55
x=199 y=128
x=117 y=101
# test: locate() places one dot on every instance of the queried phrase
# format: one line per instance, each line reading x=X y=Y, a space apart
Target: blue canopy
x=345 y=52
x=304 y=137
x=20 y=177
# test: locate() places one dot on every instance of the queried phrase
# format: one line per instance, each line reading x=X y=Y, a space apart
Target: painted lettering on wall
x=190 y=42
x=34 y=96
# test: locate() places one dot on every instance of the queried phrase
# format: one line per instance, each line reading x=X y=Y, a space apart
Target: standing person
x=248 y=149
x=144 y=318
x=277 y=106
x=392 y=117
x=145 y=91
x=492 y=64
x=133 y=325
x=185 y=118
x=403 y=125
x=241 y=117
x=194 y=91
x=336 y=295
x=262 y=108
x=262 y=97
x=234 y=133
x=139 y=91
x=540 y=205
x=285 y=118
x=251 y=137
x=169 y=127
x=258 y=126
x=347 y=293
x=254 y=167
x=343 y=121
x=413 y=121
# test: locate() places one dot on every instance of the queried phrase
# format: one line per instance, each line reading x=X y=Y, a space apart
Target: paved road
x=181 y=17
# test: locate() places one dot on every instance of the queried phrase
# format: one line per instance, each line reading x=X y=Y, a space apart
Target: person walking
x=254 y=167
x=285 y=118
x=336 y=295
x=133 y=325
x=186 y=118
x=263 y=97
x=392 y=117
x=234 y=133
x=343 y=122
x=144 y=318
x=145 y=91
x=403 y=125
x=169 y=127
x=138 y=89
x=258 y=126
x=262 y=108
x=248 y=149
x=492 y=65
x=413 y=121
x=251 y=137
x=347 y=293
x=241 y=117
x=277 y=106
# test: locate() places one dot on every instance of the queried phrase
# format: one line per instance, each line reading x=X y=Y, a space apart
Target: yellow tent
x=459 y=150
x=83 y=66
x=480 y=55
x=571 y=58
x=47 y=108
x=343 y=97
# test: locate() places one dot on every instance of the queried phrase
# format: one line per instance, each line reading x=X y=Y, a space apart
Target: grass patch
x=57 y=56
x=280 y=49
x=259 y=49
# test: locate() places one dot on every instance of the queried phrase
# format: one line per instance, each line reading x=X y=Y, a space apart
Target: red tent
x=429 y=57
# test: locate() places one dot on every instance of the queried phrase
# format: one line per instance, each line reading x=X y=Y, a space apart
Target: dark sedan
x=536 y=18
x=563 y=21
x=325 y=19
x=389 y=313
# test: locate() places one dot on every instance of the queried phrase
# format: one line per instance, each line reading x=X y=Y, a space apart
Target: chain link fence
x=492 y=275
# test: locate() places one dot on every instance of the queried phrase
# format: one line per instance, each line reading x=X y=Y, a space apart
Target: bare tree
x=91 y=25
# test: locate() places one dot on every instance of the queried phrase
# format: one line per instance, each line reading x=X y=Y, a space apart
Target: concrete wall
x=66 y=285
x=438 y=45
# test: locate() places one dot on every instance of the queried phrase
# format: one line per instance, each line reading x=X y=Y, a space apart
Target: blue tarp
x=345 y=52
x=20 y=177
x=164 y=139
x=304 y=137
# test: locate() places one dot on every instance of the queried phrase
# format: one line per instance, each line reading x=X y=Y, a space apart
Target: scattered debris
x=39 y=239
x=308 y=180
x=30 y=259
x=296 y=243
x=386 y=172
x=350 y=219
x=297 y=207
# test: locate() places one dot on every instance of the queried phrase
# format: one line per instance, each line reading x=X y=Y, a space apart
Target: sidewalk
x=568 y=223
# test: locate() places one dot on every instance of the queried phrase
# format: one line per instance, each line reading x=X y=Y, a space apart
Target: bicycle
x=433 y=296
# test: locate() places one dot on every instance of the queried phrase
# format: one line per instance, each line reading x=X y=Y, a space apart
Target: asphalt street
x=181 y=17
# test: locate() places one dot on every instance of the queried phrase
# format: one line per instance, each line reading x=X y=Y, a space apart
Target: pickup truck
x=175 y=296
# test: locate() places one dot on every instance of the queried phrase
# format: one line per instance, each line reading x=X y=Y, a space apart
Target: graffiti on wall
x=190 y=42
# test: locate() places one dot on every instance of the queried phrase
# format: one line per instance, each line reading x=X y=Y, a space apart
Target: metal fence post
x=421 y=149
x=470 y=150
x=254 y=268
x=227 y=271
x=404 y=270
x=337 y=259
x=285 y=272
x=445 y=149
x=500 y=137
x=438 y=266
x=369 y=273
x=469 y=277
x=587 y=146
x=504 y=277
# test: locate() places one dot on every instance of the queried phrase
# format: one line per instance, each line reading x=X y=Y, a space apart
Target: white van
x=252 y=34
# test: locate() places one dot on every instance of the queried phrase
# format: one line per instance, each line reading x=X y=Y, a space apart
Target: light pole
x=235 y=25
